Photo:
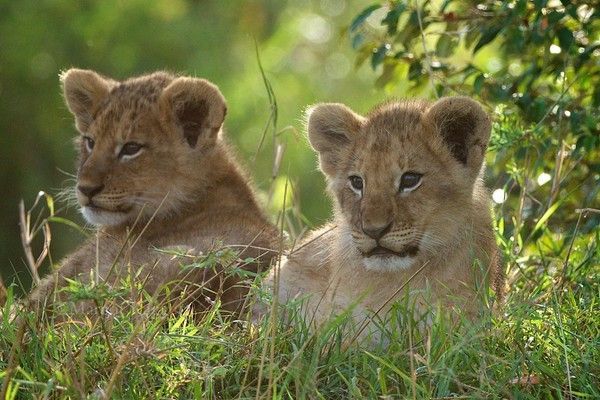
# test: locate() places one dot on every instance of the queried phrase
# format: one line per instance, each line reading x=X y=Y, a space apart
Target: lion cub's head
x=142 y=142
x=403 y=176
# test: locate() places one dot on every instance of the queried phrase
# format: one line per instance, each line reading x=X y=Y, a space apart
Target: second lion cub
x=155 y=173
x=408 y=198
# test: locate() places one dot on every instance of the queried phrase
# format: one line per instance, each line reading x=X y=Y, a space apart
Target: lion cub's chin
x=388 y=263
x=98 y=216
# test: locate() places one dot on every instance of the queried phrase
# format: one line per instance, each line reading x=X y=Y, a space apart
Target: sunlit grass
x=543 y=343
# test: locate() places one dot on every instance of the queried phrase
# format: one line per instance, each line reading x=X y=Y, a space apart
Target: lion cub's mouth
x=380 y=251
x=94 y=207
x=99 y=216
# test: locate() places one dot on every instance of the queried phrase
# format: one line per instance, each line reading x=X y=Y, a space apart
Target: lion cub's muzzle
x=89 y=191
x=394 y=251
x=393 y=243
x=100 y=206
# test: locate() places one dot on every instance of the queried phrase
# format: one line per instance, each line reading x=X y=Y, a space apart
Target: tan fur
x=183 y=188
x=447 y=218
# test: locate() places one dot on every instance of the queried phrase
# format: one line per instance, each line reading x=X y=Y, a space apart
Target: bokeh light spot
x=499 y=196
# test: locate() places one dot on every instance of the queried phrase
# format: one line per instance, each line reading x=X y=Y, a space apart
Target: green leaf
x=470 y=37
x=542 y=221
x=445 y=5
x=478 y=83
x=415 y=71
x=576 y=119
x=596 y=97
x=585 y=56
x=498 y=92
x=572 y=11
x=446 y=45
x=515 y=40
x=537 y=109
x=440 y=90
x=50 y=204
x=389 y=72
x=362 y=56
x=554 y=17
x=357 y=41
x=379 y=55
x=410 y=30
x=69 y=223
x=391 y=366
x=392 y=17
x=361 y=18
x=487 y=36
x=565 y=38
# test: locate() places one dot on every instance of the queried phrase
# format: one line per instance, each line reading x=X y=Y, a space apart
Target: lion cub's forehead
x=392 y=133
x=132 y=105
x=136 y=91
x=397 y=120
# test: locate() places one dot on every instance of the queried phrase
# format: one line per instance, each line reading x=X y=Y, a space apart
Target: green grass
x=543 y=343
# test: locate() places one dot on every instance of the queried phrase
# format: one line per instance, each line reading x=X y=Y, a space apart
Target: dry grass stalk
x=28 y=233
x=2 y=293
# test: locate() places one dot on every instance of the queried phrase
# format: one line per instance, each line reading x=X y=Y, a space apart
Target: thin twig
x=117 y=371
x=3 y=294
x=326 y=231
x=560 y=154
x=427 y=56
x=587 y=210
x=273 y=114
x=26 y=242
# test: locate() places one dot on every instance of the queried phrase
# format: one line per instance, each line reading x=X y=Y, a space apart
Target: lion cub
x=408 y=200
x=155 y=173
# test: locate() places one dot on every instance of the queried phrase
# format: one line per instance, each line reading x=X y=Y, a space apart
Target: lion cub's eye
x=130 y=149
x=356 y=183
x=410 y=181
x=89 y=143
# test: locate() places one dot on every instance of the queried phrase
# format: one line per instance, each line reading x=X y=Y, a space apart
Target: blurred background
x=533 y=64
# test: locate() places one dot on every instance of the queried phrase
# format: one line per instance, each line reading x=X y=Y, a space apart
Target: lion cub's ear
x=196 y=107
x=465 y=128
x=331 y=129
x=84 y=91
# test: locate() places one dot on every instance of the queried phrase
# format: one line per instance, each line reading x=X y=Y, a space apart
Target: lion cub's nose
x=90 y=191
x=376 y=232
